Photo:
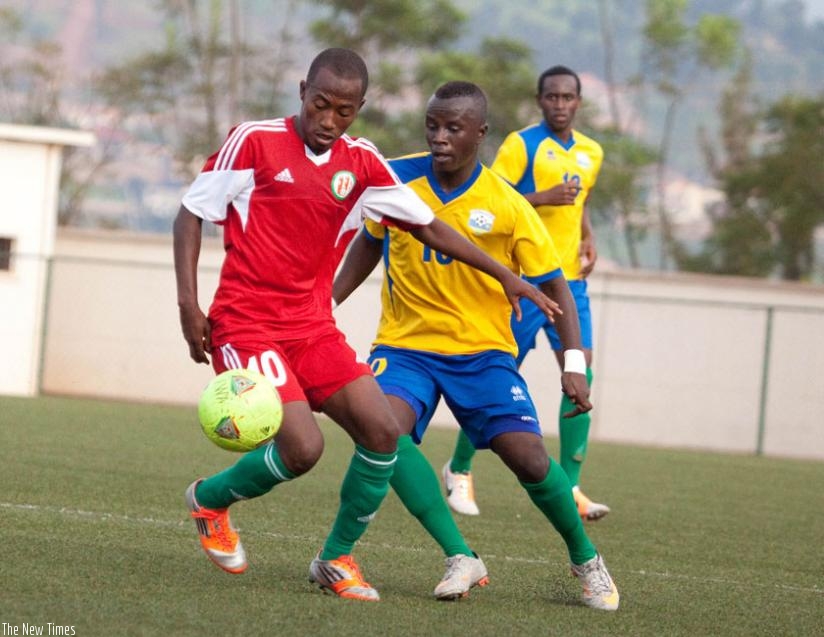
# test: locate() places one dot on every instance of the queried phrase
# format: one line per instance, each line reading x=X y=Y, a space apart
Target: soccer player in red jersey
x=290 y=194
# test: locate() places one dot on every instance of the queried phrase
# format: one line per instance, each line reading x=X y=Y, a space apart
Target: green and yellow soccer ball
x=240 y=410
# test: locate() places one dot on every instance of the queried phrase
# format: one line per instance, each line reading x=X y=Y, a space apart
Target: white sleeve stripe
x=398 y=202
x=365 y=144
x=212 y=191
x=395 y=202
x=361 y=142
x=230 y=145
x=228 y=153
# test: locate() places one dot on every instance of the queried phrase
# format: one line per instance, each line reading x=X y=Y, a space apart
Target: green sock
x=418 y=488
x=573 y=433
x=256 y=473
x=462 y=456
x=364 y=487
x=553 y=496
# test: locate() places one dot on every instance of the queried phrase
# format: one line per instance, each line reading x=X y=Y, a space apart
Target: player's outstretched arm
x=362 y=257
x=573 y=378
x=193 y=322
x=444 y=239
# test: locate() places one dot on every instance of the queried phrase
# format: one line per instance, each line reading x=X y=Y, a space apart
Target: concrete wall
x=686 y=361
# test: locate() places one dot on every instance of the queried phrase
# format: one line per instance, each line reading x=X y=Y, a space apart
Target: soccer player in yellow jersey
x=555 y=167
x=445 y=332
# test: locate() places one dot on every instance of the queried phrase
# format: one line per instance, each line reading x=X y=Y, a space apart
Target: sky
x=815 y=9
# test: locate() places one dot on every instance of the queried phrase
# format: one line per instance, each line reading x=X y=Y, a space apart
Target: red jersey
x=288 y=216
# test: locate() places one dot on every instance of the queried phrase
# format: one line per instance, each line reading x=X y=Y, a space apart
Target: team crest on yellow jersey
x=343 y=182
x=480 y=221
x=583 y=160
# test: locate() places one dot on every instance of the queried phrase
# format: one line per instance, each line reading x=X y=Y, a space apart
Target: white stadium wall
x=680 y=360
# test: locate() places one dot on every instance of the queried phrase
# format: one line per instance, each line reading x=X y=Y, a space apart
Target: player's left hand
x=516 y=289
x=197 y=331
x=576 y=388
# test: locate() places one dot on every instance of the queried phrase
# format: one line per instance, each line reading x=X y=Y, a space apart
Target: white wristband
x=575 y=361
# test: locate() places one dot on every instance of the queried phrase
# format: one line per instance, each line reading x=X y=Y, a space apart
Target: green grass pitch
x=94 y=535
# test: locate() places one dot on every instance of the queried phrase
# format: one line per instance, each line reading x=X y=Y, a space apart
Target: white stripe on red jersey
x=228 y=153
x=285 y=238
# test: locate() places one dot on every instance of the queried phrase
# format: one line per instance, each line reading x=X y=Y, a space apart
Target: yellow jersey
x=433 y=303
x=534 y=159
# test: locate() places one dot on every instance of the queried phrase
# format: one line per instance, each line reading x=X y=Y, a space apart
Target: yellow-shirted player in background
x=445 y=332
x=555 y=167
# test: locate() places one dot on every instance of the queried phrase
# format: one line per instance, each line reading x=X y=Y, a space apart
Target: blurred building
x=30 y=167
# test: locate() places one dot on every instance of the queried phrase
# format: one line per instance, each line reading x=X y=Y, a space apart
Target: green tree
x=374 y=27
x=408 y=46
x=740 y=241
x=33 y=81
x=203 y=79
x=675 y=54
x=391 y=35
x=774 y=193
x=31 y=77
x=618 y=200
x=504 y=69
x=788 y=180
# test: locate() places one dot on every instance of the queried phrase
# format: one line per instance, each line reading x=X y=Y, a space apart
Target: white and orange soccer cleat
x=462 y=573
x=587 y=509
x=599 y=591
x=460 y=492
x=218 y=537
x=342 y=577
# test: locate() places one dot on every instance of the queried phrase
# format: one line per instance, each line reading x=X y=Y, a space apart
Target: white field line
x=102 y=516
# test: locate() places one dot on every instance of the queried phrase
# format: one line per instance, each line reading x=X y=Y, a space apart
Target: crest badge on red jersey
x=343 y=182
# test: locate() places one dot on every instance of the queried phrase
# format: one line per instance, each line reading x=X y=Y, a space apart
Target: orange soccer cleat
x=218 y=537
x=342 y=577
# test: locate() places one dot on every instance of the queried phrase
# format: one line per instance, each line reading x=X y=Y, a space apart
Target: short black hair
x=559 y=69
x=342 y=62
x=457 y=88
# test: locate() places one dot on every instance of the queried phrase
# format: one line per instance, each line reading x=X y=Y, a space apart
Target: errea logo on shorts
x=343 y=182
x=517 y=393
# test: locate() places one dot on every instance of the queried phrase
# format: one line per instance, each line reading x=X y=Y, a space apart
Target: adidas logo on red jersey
x=285 y=176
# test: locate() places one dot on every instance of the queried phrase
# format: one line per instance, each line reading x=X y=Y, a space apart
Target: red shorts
x=309 y=369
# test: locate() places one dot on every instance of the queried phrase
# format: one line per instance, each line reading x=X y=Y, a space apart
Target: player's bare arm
x=587 y=253
x=187 y=231
x=574 y=384
x=362 y=257
x=443 y=238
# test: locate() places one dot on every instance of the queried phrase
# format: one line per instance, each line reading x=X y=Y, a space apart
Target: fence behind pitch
x=680 y=360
